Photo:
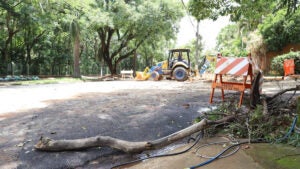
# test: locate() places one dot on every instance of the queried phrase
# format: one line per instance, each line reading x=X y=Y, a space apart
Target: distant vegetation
x=102 y=37
x=277 y=63
x=84 y=37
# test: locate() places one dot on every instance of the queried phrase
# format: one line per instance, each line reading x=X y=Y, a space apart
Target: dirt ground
x=129 y=110
x=238 y=160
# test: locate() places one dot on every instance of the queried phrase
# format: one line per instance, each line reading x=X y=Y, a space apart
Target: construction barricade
x=289 y=67
x=236 y=67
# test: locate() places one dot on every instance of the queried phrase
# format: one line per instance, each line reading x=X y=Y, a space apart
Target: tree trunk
x=111 y=67
x=254 y=92
x=28 y=59
x=134 y=63
x=76 y=57
x=197 y=46
x=47 y=144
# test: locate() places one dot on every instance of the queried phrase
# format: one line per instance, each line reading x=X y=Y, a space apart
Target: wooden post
x=213 y=86
x=222 y=90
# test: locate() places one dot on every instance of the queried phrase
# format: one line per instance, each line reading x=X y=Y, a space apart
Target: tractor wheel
x=155 y=76
x=180 y=74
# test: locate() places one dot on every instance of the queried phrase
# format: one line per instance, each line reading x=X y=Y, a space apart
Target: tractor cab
x=179 y=57
x=178 y=64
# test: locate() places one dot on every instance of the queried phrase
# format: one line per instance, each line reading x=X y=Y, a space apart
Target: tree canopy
x=56 y=37
x=279 y=30
x=230 y=41
x=73 y=37
x=277 y=22
x=127 y=25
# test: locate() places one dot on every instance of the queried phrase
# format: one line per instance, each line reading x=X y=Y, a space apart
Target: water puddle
x=162 y=151
x=206 y=109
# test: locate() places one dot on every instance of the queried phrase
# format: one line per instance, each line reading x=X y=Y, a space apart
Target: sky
x=208 y=29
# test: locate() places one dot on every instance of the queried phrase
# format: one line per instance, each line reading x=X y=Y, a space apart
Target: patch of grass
x=289 y=162
x=275 y=155
x=47 y=81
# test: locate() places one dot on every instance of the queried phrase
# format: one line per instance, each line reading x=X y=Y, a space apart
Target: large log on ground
x=47 y=144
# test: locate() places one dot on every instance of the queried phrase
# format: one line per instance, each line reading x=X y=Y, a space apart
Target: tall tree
x=123 y=26
x=9 y=22
x=76 y=13
x=31 y=22
x=202 y=10
x=75 y=33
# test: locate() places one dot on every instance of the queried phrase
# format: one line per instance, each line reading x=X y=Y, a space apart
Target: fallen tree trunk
x=46 y=144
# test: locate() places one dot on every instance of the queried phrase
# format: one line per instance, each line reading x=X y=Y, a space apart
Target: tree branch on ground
x=47 y=144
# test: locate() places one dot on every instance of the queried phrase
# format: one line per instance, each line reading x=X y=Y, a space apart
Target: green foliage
x=259 y=126
x=230 y=42
x=294 y=140
x=250 y=11
x=41 y=33
x=212 y=67
x=246 y=10
x=126 y=26
x=290 y=5
x=277 y=62
x=298 y=110
x=204 y=9
x=223 y=109
x=279 y=20
x=38 y=34
x=253 y=124
x=278 y=31
x=192 y=46
x=197 y=120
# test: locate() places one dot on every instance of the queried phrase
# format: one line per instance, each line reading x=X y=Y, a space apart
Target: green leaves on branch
x=40 y=32
x=123 y=26
x=290 y=5
x=279 y=31
x=205 y=8
x=230 y=41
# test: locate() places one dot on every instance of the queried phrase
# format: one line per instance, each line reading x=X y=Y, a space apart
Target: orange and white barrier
x=232 y=66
